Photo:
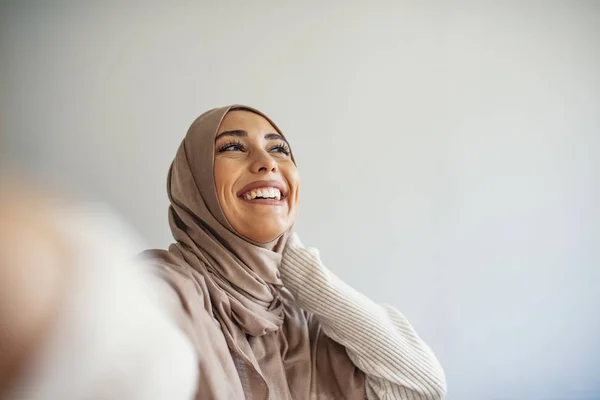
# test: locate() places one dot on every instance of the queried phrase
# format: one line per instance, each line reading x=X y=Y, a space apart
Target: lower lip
x=266 y=202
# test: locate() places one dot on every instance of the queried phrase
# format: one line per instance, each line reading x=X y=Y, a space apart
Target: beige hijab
x=251 y=338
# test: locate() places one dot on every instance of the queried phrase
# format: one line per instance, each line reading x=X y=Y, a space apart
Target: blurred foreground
x=79 y=318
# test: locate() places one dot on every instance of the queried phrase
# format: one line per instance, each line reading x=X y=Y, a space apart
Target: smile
x=263 y=193
x=266 y=192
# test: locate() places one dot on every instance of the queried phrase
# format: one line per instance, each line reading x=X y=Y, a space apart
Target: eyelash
x=234 y=143
x=283 y=148
x=237 y=145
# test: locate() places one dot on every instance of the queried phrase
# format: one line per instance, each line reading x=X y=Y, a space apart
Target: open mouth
x=269 y=192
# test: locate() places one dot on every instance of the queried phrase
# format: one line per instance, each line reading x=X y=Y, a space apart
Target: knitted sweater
x=379 y=340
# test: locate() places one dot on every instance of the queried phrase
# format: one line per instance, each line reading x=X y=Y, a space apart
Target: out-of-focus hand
x=34 y=274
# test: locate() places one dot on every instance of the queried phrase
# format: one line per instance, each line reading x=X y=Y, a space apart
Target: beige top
x=352 y=347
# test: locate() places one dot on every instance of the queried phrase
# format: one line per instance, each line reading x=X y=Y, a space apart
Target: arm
x=85 y=320
x=379 y=340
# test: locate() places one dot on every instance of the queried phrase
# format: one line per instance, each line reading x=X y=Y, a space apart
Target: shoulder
x=188 y=284
x=163 y=260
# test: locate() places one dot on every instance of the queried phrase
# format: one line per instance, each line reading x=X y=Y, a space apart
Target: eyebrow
x=242 y=133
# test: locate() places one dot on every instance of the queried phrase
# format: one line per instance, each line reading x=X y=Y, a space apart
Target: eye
x=281 y=148
x=231 y=146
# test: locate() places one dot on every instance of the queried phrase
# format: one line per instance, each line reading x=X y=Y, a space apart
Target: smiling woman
x=267 y=319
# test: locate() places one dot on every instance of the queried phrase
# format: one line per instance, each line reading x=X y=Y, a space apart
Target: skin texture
x=244 y=159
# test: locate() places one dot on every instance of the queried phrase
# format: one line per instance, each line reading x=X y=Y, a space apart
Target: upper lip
x=264 y=184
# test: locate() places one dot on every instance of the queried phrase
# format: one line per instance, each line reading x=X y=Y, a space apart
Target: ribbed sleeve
x=378 y=339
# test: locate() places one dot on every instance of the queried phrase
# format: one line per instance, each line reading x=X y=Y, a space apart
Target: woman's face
x=256 y=179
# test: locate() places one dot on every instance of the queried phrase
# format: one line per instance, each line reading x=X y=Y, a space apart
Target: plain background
x=448 y=151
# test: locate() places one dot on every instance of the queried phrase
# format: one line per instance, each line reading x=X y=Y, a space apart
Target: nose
x=263 y=162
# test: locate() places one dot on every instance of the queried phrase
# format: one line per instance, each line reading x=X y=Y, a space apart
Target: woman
x=239 y=310
x=267 y=319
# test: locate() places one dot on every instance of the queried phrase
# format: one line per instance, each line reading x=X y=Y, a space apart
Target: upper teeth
x=267 y=193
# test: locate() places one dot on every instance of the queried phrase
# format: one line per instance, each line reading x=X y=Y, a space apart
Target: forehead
x=246 y=121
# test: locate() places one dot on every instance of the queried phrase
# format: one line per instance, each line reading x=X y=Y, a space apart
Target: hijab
x=243 y=276
x=229 y=286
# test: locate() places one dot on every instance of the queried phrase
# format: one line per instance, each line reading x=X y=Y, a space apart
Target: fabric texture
x=379 y=339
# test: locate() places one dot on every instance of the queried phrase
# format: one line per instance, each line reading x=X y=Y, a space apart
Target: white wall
x=449 y=151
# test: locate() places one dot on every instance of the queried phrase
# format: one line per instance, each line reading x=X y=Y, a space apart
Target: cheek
x=293 y=179
x=224 y=175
